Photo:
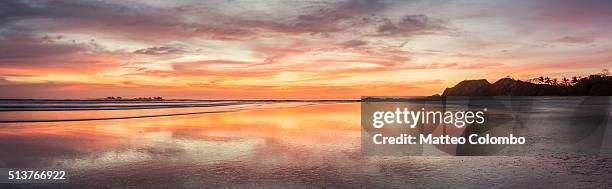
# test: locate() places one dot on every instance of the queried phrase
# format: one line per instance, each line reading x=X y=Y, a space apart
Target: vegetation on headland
x=593 y=85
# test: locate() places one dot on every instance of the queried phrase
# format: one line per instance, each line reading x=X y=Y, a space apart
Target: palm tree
x=541 y=79
x=574 y=80
x=605 y=72
x=565 y=82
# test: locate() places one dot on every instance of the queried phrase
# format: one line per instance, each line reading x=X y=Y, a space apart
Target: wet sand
x=316 y=145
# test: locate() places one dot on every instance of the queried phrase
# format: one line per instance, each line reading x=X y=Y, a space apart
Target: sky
x=284 y=49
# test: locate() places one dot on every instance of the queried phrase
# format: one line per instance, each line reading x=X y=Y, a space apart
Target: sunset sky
x=233 y=49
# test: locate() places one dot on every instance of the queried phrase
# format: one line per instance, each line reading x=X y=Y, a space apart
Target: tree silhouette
x=575 y=79
x=565 y=82
x=541 y=79
x=605 y=72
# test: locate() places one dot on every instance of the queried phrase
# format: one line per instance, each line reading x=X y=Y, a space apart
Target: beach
x=257 y=145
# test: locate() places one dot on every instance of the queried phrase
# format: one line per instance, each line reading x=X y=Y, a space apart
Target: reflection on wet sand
x=304 y=146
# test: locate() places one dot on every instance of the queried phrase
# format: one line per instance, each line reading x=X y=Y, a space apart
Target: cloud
x=546 y=18
x=219 y=68
x=225 y=32
x=334 y=17
x=354 y=43
x=139 y=21
x=575 y=39
x=587 y=10
x=411 y=25
x=120 y=19
x=157 y=24
x=19 y=45
x=329 y=19
x=160 y=50
x=22 y=49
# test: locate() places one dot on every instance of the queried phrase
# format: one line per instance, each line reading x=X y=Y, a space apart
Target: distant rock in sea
x=594 y=85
